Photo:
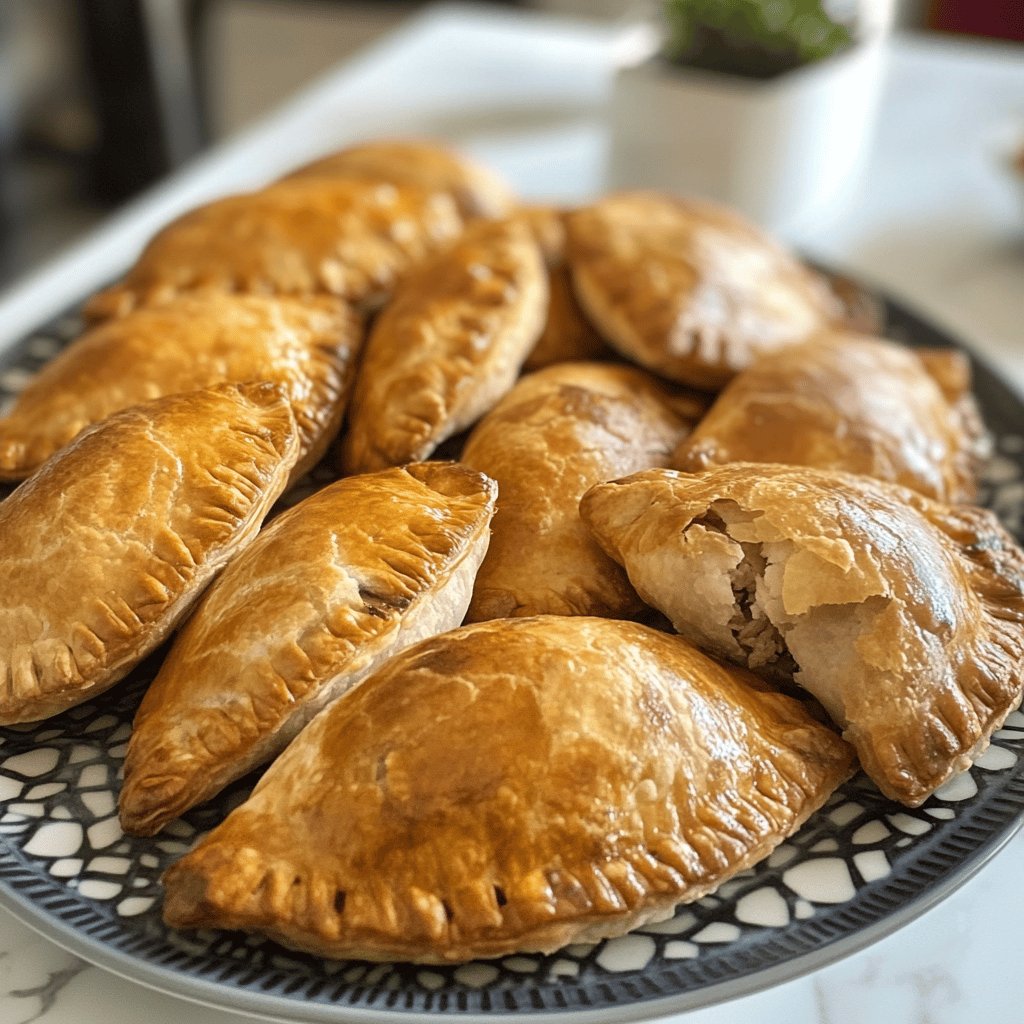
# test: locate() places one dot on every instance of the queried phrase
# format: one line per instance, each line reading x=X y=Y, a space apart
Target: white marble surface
x=931 y=219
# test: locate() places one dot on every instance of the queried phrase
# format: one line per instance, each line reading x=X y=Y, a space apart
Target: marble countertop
x=931 y=219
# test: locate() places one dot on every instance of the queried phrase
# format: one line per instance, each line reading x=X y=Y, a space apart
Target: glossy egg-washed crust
x=556 y=434
x=477 y=190
x=847 y=402
x=513 y=785
x=568 y=335
x=449 y=345
x=326 y=593
x=937 y=592
x=690 y=289
x=351 y=239
x=107 y=547
x=308 y=346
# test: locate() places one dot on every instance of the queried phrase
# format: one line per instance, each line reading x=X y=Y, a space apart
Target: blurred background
x=100 y=98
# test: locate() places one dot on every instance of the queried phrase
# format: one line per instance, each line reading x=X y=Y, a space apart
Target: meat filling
x=760 y=641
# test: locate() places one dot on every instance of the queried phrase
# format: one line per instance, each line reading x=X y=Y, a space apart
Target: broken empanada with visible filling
x=477 y=190
x=846 y=402
x=307 y=346
x=328 y=592
x=903 y=616
x=556 y=434
x=107 y=547
x=689 y=289
x=568 y=335
x=513 y=785
x=448 y=346
x=351 y=239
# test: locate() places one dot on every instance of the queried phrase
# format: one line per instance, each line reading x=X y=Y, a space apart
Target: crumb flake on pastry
x=351 y=239
x=307 y=346
x=689 y=289
x=556 y=434
x=107 y=547
x=903 y=616
x=449 y=345
x=568 y=335
x=846 y=402
x=477 y=190
x=324 y=596
x=513 y=785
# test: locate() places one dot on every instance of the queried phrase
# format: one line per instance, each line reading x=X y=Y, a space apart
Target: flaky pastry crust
x=477 y=190
x=449 y=345
x=108 y=546
x=690 y=289
x=324 y=596
x=307 y=346
x=852 y=403
x=903 y=616
x=513 y=785
x=568 y=336
x=556 y=434
x=351 y=239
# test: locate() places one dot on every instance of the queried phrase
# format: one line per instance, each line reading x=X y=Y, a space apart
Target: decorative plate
x=857 y=870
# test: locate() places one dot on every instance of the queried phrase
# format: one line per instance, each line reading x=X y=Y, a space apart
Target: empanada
x=514 y=785
x=351 y=239
x=903 y=616
x=863 y=311
x=448 y=346
x=106 y=548
x=477 y=190
x=557 y=433
x=690 y=289
x=307 y=346
x=568 y=335
x=328 y=592
x=847 y=402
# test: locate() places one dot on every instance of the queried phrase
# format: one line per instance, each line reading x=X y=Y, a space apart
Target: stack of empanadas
x=556 y=773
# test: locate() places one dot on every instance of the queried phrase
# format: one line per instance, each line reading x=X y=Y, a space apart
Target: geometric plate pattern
x=857 y=869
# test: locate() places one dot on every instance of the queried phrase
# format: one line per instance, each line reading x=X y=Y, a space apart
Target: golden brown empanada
x=847 y=402
x=307 y=346
x=863 y=311
x=352 y=239
x=448 y=347
x=690 y=289
x=514 y=785
x=557 y=433
x=477 y=190
x=327 y=593
x=568 y=335
x=106 y=548
x=903 y=616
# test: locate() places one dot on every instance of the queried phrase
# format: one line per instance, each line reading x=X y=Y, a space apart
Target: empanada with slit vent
x=327 y=593
x=448 y=346
x=307 y=346
x=351 y=239
x=513 y=785
x=107 y=547
x=690 y=289
x=852 y=403
x=477 y=190
x=903 y=616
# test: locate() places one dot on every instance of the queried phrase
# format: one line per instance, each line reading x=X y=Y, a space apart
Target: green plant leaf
x=755 y=38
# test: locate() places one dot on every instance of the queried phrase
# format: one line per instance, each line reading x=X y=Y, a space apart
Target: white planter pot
x=781 y=150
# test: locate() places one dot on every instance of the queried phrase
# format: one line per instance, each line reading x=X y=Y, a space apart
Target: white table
x=931 y=222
